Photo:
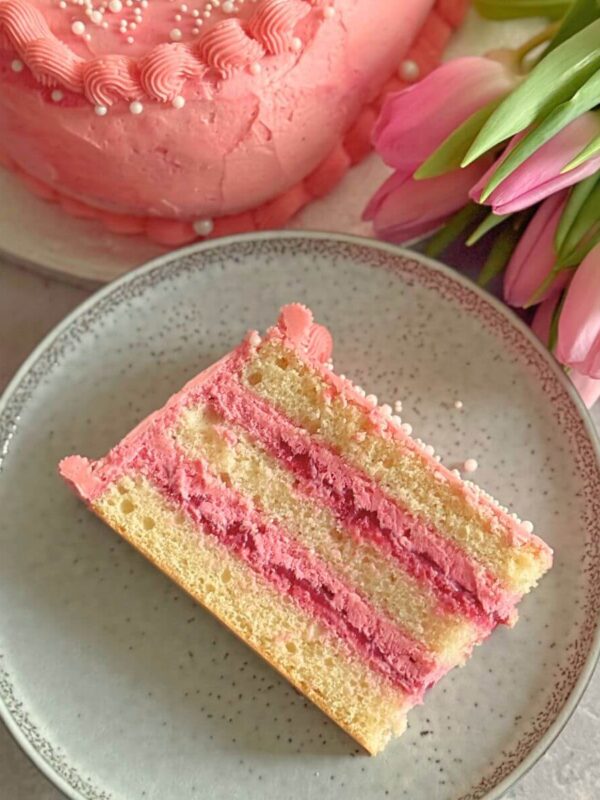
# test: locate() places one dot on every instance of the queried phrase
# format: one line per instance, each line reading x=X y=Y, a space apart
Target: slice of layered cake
x=304 y=517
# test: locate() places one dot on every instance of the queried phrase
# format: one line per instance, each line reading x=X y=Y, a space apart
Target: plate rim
x=162 y=261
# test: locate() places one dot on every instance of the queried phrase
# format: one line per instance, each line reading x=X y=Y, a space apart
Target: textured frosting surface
x=184 y=121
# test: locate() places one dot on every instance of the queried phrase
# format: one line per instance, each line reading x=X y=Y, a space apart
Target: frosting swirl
x=107 y=79
x=53 y=63
x=274 y=21
x=164 y=70
x=21 y=23
x=227 y=46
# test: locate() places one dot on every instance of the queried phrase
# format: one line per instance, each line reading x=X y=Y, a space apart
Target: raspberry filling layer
x=461 y=584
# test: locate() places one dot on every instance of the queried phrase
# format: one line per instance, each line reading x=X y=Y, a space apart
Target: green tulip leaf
x=583 y=226
x=451 y=152
x=583 y=100
x=577 y=198
x=554 y=80
x=500 y=253
x=553 y=333
x=590 y=150
x=489 y=223
x=452 y=229
x=510 y=9
x=580 y=14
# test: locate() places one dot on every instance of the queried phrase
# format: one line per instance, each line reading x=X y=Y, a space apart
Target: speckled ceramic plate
x=119 y=687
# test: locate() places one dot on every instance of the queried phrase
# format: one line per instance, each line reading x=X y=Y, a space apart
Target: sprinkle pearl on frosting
x=16 y=65
x=527 y=526
x=178 y=102
x=115 y=6
x=57 y=95
x=329 y=12
x=458 y=404
x=407 y=428
x=175 y=35
x=470 y=465
x=296 y=43
x=409 y=70
x=136 y=107
x=101 y=111
x=78 y=27
x=203 y=227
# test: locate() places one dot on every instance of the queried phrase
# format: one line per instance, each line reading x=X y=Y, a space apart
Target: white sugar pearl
x=105 y=25
x=429 y=450
x=470 y=465
x=132 y=26
x=16 y=65
x=178 y=17
x=398 y=406
x=175 y=35
x=371 y=399
x=195 y=13
x=178 y=102
x=527 y=526
x=96 y=17
x=254 y=339
x=458 y=404
x=255 y=68
x=57 y=95
x=203 y=227
x=329 y=12
x=409 y=70
x=78 y=27
x=296 y=43
x=386 y=410
x=183 y=7
x=195 y=31
x=62 y=4
x=136 y=107
x=101 y=111
x=130 y=40
x=115 y=6
x=228 y=7
x=407 y=428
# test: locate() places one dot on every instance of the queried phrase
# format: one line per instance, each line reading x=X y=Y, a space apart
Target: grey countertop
x=30 y=306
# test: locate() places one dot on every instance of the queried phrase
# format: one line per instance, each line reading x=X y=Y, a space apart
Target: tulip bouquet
x=506 y=148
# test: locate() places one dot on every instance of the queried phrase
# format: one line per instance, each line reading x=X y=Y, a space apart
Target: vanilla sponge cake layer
x=275 y=372
x=390 y=588
x=317 y=663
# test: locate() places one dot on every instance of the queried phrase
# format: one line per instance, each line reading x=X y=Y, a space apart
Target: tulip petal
x=535 y=256
x=540 y=175
x=588 y=388
x=578 y=342
x=414 y=122
x=404 y=208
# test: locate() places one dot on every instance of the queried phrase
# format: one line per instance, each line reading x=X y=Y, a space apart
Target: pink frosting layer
x=254 y=124
x=267 y=548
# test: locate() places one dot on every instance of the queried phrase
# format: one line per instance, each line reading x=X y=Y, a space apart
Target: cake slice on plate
x=303 y=515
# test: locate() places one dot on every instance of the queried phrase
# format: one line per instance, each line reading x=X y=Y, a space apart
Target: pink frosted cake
x=303 y=515
x=182 y=120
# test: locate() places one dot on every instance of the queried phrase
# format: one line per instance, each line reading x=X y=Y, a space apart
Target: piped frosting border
x=161 y=74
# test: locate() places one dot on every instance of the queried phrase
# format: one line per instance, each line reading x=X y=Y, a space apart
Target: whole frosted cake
x=187 y=119
x=304 y=516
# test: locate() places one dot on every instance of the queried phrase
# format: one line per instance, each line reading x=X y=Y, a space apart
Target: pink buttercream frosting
x=274 y=22
x=248 y=125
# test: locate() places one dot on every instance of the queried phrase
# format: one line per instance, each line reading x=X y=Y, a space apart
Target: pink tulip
x=535 y=256
x=578 y=344
x=540 y=175
x=414 y=122
x=588 y=388
x=404 y=208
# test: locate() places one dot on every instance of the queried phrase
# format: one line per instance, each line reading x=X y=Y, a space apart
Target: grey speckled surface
x=29 y=307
